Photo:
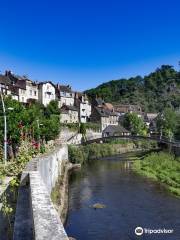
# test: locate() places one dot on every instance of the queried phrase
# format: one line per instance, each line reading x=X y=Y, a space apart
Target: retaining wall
x=36 y=217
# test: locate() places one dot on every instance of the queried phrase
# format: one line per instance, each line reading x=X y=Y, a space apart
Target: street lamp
x=5 y=127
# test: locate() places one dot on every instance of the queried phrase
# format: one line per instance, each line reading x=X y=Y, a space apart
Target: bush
x=76 y=155
x=83 y=154
x=146 y=144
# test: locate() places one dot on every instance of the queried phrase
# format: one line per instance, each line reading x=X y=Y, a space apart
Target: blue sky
x=85 y=43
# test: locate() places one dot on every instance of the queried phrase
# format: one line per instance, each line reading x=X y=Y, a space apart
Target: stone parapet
x=36 y=217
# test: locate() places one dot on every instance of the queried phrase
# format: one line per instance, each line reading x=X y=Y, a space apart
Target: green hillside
x=153 y=92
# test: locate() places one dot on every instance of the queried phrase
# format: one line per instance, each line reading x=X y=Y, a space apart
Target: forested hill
x=154 y=92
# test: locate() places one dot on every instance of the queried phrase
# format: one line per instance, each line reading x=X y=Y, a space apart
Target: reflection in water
x=131 y=201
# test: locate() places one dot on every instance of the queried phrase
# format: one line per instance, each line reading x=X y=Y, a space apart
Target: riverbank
x=162 y=167
x=83 y=154
x=59 y=194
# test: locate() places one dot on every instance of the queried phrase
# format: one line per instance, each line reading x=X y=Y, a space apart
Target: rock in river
x=98 y=206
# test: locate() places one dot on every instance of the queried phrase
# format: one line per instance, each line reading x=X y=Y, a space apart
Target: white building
x=46 y=93
x=31 y=90
x=28 y=90
x=81 y=101
x=65 y=95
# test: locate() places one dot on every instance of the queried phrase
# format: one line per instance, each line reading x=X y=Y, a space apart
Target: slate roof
x=105 y=112
x=65 y=108
x=64 y=88
x=99 y=101
x=12 y=82
x=41 y=83
x=127 y=107
x=115 y=129
x=5 y=80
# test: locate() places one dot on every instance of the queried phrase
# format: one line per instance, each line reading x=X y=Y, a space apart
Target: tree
x=50 y=128
x=154 y=92
x=167 y=122
x=52 y=108
x=51 y=122
x=32 y=122
x=134 y=124
x=82 y=130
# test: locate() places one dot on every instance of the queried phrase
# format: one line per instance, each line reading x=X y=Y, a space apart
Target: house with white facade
x=46 y=93
x=81 y=101
x=28 y=90
x=31 y=90
x=65 y=95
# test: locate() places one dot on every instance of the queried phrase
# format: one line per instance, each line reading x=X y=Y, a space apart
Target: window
x=30 y=92
x=34 y=93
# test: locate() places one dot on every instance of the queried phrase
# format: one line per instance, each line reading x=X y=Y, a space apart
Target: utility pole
x=5 y=129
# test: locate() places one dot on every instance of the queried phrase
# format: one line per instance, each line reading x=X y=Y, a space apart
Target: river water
x=131 y=201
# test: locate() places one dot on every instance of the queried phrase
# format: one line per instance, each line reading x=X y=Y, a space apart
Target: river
x=131 y=201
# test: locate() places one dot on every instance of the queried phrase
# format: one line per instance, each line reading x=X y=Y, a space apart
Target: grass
x=162 y=167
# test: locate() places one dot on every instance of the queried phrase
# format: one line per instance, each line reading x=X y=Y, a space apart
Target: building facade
x=69 y=114
x=65 y=95
x=31 y=90
x=46 y=92
x=104 y=117
x=84 y=107
x=127 y=108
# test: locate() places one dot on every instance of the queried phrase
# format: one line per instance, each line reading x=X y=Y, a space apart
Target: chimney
x=76 y=95
x=58 y=86
x=8 y=72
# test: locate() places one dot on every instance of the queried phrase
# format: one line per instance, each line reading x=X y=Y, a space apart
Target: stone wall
x=36 y=217
x=91 y=134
